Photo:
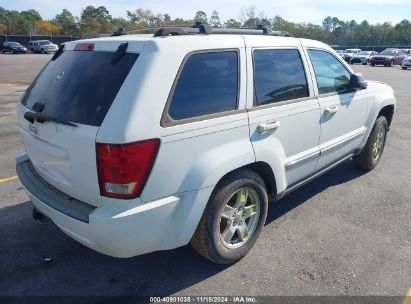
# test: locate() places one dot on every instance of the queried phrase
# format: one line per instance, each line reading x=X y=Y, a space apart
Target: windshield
x=79 y=86
x=13 y=43
x=349 y=51
x=388 y=53
x=44 y=42
x=364 y=53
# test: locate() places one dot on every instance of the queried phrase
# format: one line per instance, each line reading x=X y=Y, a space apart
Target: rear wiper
x=40 y=117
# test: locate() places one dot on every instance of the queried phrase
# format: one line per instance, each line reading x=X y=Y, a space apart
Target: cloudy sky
x=294 y=10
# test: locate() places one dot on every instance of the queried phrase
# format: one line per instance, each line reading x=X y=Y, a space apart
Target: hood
x=384 y=56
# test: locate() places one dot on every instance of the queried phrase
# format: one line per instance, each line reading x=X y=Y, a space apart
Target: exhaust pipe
x=37 y=215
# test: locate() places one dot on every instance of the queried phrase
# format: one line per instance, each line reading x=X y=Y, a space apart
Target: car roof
x=200 y=42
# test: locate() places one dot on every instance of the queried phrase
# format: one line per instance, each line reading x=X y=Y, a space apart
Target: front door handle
x=267 y=126
x=331 y=110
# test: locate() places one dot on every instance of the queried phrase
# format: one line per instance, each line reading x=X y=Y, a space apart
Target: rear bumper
x=120 y=229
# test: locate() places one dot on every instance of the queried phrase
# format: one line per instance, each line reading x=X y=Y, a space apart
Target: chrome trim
x=341 y=142
x=313 y=176
x=304 y=158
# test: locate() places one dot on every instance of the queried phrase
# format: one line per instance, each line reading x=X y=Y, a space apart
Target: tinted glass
x=278 y=75
x=330 y=73
x=208 y=84
x=44 y=42
x=79 y=86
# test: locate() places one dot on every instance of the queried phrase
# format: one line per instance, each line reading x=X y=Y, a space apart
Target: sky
x=375 y=11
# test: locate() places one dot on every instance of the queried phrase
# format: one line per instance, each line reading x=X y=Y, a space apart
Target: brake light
x=124 y=169
x=84 y=47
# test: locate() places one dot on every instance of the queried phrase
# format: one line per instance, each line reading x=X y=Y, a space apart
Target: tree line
x=98 y=20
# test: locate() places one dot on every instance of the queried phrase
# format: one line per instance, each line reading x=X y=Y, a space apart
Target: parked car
x=339 y=52
x=362 y=57
x=348 y=53
x=147 y=165
x=13 y=47
x=388 y=57
x=407 y=51
x=406 y=63
x=42 y=46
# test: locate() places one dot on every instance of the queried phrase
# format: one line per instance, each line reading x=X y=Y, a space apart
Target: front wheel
x=371 y=153
x=233 y=218
x=404 y=68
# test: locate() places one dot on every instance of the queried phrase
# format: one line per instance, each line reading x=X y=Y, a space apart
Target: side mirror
x=357 y=82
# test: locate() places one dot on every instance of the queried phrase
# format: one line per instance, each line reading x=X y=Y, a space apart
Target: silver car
x=42 y=46
x=406 y=63
x=362 y=57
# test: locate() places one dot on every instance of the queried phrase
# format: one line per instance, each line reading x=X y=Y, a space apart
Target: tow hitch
x=37 y=215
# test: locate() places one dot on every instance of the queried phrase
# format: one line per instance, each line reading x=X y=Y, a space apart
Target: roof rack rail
x=199 y=28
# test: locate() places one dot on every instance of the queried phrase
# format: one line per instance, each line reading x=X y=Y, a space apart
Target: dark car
x=388 y=57
x=13 y=47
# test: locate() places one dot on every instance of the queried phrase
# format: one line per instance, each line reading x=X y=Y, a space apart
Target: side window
x=278 y=76
x=208 y=84
x=330 y=73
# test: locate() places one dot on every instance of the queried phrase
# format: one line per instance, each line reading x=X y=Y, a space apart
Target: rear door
x=75 y=90
x=283 y=111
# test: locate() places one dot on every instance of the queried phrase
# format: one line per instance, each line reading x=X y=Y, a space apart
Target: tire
x=371 y=154
x=3 y=51
x=390 y=64
x=372 y=64
x=403 y=68
x=42 y=51
x=209 y=240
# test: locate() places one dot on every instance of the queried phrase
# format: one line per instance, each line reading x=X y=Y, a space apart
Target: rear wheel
x=233 y=218
x=373 y=149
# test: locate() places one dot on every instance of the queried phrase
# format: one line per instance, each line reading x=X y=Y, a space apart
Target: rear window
x=79 y=86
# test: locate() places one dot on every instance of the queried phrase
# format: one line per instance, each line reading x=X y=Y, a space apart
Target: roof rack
x=199 y=28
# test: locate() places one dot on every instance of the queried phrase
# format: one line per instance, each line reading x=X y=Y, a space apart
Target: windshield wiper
x=40 y=117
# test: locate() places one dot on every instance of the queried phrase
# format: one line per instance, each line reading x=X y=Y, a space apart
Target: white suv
x=141 y=143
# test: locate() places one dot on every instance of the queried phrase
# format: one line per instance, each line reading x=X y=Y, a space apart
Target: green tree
x=232 y=23
x=95 y=20
x=167 y=19
x=215 y=19
x=201 y=17
x=67 y=22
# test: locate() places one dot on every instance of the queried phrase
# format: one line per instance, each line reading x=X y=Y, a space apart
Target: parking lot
x=346 y=233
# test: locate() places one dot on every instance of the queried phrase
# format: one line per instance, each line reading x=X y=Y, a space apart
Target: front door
x=343 y=111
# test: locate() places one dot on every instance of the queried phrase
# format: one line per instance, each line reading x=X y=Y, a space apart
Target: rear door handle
x=331 y=110
x=267 y=126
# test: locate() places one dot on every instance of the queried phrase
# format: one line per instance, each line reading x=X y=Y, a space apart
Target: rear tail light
x=84 y=47
x=124 y=169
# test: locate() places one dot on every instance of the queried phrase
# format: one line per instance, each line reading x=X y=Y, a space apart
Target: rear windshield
x=79 y=86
